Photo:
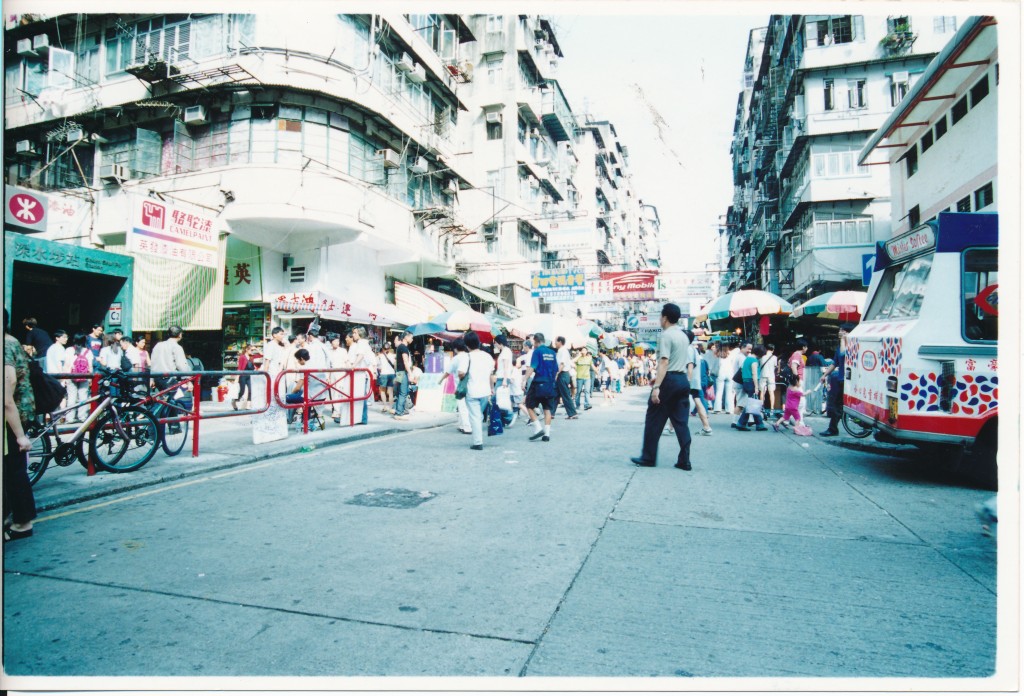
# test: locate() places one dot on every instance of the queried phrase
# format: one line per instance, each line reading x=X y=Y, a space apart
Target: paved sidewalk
x=223 y=443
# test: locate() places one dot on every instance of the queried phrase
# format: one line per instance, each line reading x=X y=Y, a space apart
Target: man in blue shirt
x=541 y=376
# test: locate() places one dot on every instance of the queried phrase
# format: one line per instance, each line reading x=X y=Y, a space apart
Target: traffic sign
x=867 y=264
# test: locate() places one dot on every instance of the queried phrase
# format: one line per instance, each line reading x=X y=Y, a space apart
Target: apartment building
x=309 y=165
x=816 y=87
x=940 y=144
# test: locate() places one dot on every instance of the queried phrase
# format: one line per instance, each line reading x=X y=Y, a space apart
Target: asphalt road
x=409 y=555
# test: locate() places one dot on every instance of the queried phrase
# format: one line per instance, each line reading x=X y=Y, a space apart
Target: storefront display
x=243 y=325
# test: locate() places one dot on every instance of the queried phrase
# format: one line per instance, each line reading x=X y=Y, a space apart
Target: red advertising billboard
x=632 y=285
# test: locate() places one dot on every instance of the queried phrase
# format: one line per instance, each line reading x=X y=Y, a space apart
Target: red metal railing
x=317 y=383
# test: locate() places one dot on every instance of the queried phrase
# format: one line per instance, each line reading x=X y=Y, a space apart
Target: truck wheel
x=984 y=468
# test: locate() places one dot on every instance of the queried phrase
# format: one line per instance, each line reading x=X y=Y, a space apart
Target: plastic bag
x=503 y=397
x=801 y=429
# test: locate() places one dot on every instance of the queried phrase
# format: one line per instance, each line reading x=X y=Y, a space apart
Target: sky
x=669 y=84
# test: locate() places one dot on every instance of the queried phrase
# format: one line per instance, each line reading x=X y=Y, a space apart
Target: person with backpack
x=769 y=365
x=79 y=360
x=19 y=410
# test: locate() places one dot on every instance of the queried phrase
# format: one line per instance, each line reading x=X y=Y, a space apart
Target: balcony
x=529 y=101
x=494 y=42
x=556 y=114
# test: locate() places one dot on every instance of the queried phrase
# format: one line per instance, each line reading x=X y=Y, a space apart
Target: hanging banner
x=558 y=286
x=172 y=231
x=678 y=287
x=242 y=272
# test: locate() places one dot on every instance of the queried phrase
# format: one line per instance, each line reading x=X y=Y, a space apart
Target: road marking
x=203 y=479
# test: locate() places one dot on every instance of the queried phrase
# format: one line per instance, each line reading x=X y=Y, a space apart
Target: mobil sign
x=631 y=285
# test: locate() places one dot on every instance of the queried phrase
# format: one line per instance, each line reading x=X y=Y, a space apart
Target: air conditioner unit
x=390 y=158
x=534 y=133
x=405 y=63
x=493 y=117
x=26 y=148
x=451 y=186
x=41 y=44
x=546 y=200
x=195 y=115
x=420 y=166
x=114 y=172
x=75 y=134
x=534 y=184
x=25 y=47
x=418 y=75
x=489 y=231
x=540 y=34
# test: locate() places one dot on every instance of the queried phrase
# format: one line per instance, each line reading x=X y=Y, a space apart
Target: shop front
x=66 y=286
x=246 y=316
x=296 y=312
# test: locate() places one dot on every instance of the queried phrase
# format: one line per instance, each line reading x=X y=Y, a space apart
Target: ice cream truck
x=922 y=367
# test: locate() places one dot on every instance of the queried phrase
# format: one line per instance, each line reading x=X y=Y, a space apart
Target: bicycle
x=856 y=427
x=173 y=435
x=122 y=436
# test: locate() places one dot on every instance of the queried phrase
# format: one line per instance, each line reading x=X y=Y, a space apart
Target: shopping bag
x=495 y=426
x=503 y=397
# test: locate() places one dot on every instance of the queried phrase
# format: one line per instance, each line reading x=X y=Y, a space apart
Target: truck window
x=981 y=294
x=901 y=290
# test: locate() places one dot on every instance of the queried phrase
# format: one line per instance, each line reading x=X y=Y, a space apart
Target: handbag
x=709 y=392
x=462 y=388
x=503 y=397
x=738 y=377
x=495 y=426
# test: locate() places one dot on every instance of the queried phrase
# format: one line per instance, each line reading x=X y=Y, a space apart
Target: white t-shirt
x=55 y=359
x=338 y=357
x=505 y=363
x=386 y=364
x=564 y=359
x=480 y=368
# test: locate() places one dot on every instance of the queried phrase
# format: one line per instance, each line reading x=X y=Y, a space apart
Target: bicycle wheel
x=173 y=437
x=39 y=458
x=856 y=428
x=119 y=453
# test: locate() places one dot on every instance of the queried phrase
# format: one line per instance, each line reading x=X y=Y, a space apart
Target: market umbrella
x=643 y=345
x=551 y=325
x=590 y=328
x=463 y=320
x=624 y=336
x=426 y=328
x=609 y=341
x=744 y=303
x=844 y=305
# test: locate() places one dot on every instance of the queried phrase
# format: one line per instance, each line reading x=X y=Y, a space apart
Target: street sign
x=25 y=209
x=632 y=322
x=114 y=314
x=867 y=264
x=558 y=286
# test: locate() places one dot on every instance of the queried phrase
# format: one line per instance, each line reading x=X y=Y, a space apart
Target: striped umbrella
x=462 y=320
x=744 y=303
x=844 y=305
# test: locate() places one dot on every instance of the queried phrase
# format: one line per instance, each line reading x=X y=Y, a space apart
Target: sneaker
x=760 y=428
x=704 y=431
x=775 y=428
x=400 y=417
x=476 y=447
x=546 y=438
x=537 y=435
x=740 y=427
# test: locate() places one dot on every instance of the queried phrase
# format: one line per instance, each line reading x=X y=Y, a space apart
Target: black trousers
x=834 y=405
x=564 y=385
x=18 y=498
x=674 y=405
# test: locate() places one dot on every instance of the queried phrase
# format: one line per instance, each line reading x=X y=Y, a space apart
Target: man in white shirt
x=56 y=353
x=169 y=356
x=132 y=353
x=566 y=377
x=360 y=357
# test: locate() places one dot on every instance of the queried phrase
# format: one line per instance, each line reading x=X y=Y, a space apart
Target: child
x=751 y=410
x=792 y=410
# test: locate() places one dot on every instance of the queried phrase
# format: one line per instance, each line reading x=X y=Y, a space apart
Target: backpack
x=80 y=366
x=783 y=373
x=48 y=390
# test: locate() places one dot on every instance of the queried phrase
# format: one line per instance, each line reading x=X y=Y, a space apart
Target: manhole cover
x=391 y=498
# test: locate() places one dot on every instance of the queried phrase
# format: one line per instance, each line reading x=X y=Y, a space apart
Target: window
x=901 y=290
x=857 y=90
x=960 y=109
x=494 y=70
x=898 y=25
x=983 y=197
x=899 y=87
x=911 y=158
x=926 y=140
x=494 y=183
x=834 y=30
x=494 y=23
x=494 y=130
x=979 y=91
x=914 y=216
x=844 y=230
x=980 y=281
x=944 y=25
x=964 y=205
x=830 y=95
x=940 y=127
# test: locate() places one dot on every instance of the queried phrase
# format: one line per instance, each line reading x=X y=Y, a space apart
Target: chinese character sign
x=171 y=231
x=558 y=286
